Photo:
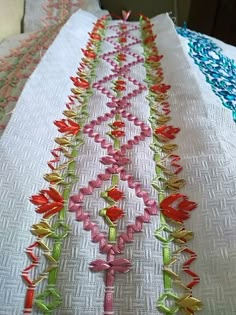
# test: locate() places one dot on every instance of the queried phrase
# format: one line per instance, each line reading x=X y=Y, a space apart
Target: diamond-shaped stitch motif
x=117 y=157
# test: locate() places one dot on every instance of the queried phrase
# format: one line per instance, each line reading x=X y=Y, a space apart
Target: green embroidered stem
x=56 y=254
x=165 y=245
x=112 y=231
x=166 y=257
x=157 y=184
x=65 y=179
x=115 y=180
x=112 y=234
x=116 y=144
x=117 y=116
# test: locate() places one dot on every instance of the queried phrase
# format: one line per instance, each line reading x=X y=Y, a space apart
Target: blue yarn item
x=219 y=70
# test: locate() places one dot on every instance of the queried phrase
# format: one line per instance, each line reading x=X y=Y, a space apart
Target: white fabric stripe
x=207 y=146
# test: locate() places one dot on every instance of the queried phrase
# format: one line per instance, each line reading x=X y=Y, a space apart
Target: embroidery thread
x=53 y=202
x=172 y=215
x=219 y=70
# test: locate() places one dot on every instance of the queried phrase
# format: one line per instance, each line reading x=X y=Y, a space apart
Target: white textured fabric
x=210 y=157
x=136 y=291
x=228 y=50
x=25 y=149
x=207 y=147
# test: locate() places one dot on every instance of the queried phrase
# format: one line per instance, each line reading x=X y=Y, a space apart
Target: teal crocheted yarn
x=219 y=70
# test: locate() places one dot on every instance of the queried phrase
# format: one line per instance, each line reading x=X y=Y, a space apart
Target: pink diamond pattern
x=116 y=160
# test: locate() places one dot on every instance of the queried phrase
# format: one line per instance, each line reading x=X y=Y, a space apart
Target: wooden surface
x=149 y=8
x=214 y=17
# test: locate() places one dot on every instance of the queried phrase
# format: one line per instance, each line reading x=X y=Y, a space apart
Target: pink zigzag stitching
x=145 y=131
x=97 y=236
x=117 y=160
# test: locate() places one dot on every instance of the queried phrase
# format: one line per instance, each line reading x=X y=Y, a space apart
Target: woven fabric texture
x=207 y=147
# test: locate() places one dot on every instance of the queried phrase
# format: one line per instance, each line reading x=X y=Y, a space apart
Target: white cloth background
x=207 y=146
x=208 y=150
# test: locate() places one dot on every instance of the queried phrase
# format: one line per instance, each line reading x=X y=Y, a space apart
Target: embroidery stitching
x=50 y=202
x=116 y=158
x=219 y=70
x=171 y=217
x=16 y=67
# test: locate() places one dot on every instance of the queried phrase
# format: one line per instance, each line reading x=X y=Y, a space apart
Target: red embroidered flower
x=68 y=126
x=168 y=132
x=150 y=39
x=177 y=207
x=42 y=197
x=39 y=199
x=120 y=82
x=123 y=27
x=121 y=57
x=154 y=58
x=114 y=213
x=159 y=72
x=118 y=124
x=118 y=133
x=95 y=36
x=79 y=82
x=148 y=26
x=99 y=25
x=161 y=88
x=120 y=85
x=46 y=206
x=115 y=194
x=89 y=53
x=123 y=39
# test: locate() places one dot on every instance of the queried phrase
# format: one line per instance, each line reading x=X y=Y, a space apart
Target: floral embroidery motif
x=175 y=208
x=219 y=70
x=115 y=194
x=45 y=206
x=16 y=67
x=118 y=133
x=120 y=104
x=53 y=202
x=59 y=10
x=114 y=213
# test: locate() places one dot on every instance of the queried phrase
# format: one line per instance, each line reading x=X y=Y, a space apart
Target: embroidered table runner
x=129 y=165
